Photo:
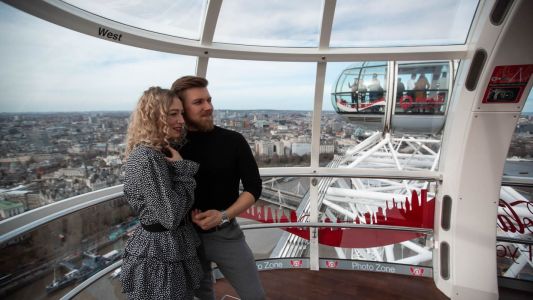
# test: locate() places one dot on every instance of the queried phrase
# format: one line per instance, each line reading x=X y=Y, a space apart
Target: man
x=225 y=159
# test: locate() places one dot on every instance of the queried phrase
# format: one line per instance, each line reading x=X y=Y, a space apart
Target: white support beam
x=328 y=11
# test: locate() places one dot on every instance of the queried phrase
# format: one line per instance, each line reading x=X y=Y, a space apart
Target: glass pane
x=386 y=23
x=515 y=216
x=284 y=199
x=520 y=156
x=423 y=88
x=515 y=209
x=422 y=96
x=384 y=202
x=270 y=23
x=181 y=18
x=107 y=287
x=49 y=261
x=269 y=103
x=65 y=99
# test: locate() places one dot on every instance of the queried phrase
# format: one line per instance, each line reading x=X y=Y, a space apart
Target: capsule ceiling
x=297 y=23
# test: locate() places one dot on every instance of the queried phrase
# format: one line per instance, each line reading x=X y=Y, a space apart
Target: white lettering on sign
x=108 y=34
x=267 y=265
x=373 y=267
x=362 y=267
x=387 y=269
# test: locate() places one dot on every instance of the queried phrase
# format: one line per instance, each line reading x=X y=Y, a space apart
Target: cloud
x=270 y=23
x=174 y=17
x=46 y=67
x=403 y=23
x=236 y=84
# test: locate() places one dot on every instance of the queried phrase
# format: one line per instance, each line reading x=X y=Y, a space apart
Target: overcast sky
x=46 y=67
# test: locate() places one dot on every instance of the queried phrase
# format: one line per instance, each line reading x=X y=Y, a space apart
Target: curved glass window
x=387 y=23
x=270 y=23
x=65 y=100
x=181 y=18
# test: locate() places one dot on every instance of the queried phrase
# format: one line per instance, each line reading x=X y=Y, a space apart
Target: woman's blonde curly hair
x=148 y=122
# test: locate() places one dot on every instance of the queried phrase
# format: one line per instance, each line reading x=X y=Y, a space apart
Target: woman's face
x=175 y=119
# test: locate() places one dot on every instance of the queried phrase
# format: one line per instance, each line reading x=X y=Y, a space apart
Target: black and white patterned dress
x=160 y=265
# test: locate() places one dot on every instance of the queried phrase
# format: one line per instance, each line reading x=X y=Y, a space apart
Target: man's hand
x=207 y=219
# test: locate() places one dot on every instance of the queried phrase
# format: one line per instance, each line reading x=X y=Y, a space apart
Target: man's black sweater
x=225 y=159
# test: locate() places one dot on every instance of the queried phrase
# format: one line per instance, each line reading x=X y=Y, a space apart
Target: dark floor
x=339 y=284
x=342 y=284
x=511 y=294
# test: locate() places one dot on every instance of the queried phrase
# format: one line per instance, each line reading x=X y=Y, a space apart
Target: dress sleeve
x=168 y=195
x=248 y=171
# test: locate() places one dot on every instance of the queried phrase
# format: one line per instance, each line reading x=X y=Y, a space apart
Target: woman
x=160 y=260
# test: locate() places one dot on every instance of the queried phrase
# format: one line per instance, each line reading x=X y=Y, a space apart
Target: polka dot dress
x=160 y=265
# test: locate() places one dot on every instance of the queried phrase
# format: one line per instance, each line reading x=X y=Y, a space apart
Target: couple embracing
x=182 y=180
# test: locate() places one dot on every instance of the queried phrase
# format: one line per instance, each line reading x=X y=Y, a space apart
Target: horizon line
x=129 y=111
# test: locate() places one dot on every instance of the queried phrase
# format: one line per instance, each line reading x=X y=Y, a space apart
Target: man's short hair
x=188 y=82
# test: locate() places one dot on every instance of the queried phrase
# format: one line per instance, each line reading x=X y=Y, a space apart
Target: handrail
x=29 y=220
x=334 y=225
x=514 y=240
x=351 y=173
x=517 y=181
x=75 y=291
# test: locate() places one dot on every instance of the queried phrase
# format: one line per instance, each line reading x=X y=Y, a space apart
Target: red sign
x=416 y=271
x=296 y=263
x=331 y=264
x=507 y=83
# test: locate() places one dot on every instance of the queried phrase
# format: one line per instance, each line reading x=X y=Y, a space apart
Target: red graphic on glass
x=296 y=263
x=418 y=214
x=510 y=221
x=332 y=264
x=416 y=271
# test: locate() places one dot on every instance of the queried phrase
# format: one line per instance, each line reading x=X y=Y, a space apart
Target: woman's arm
x=167 y=202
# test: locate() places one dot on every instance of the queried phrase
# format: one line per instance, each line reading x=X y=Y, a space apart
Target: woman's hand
x=174 y=154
